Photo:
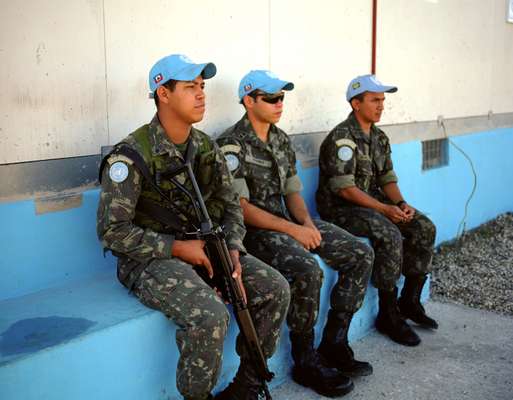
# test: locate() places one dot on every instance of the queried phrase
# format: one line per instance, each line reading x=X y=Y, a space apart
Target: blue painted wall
x=441 y=193
x=40 y=251
x=55 y=262
x=51 y=249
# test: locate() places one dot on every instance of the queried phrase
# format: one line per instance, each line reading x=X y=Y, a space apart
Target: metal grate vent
x=435 y=153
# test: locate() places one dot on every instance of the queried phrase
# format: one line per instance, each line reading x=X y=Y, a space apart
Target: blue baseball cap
x=264 y=80
x=367 y=83
x=179 y=68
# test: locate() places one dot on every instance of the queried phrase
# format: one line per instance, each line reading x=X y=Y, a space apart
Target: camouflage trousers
x=343 y=252
x=173 y=287
x=404 y=247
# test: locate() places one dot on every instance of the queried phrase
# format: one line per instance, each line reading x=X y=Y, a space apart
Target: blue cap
x=264 y=80
x=367 y=83
x=179 y=68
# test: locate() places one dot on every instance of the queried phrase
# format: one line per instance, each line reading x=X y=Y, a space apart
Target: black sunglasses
x=269 y=98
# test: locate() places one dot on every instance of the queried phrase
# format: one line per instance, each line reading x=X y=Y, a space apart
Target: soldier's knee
x=394 y=236
x=364 y=251
x=313 y=272
x=308 y=269
x=281 y=289
x=430 y=230
x=275 y=287
x=213 y=318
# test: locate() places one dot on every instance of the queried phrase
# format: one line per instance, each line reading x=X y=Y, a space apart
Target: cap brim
x=207 y=71
x=276 y=86
x=389 y=89
x=377 y=89
x=288 y=86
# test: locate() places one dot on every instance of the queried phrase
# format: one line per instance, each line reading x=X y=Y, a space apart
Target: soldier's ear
x=248 y=101
x=162 y=92
x=355 y=104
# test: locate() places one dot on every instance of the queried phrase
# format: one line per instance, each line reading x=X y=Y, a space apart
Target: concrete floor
x=470 y=357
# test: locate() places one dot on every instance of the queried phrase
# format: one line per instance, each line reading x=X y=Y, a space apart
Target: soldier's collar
x=246 y=129
x=160 y=143
x=356 y=130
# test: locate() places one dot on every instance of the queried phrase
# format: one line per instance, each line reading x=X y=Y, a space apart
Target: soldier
x=282 y=233
x=154 y=260
x=358 y=191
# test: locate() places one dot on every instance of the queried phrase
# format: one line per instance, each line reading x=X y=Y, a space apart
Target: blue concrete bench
x=69 y=330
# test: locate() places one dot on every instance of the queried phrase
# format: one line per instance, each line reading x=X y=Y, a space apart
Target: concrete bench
x=69 y=330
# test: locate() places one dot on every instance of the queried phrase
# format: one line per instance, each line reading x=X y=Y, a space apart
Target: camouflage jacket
x=123 y=228
x=349 y=157
x=263 y=172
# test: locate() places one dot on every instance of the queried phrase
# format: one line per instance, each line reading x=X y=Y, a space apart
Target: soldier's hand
x=317 y=233
x=394 y=214
x=308 y=237
x=237 y=272
x=192 y=252
x=408 y=210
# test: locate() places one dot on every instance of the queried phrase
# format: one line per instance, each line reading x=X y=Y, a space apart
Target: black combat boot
x=246 y=385
x=409 y=302
x=311 y=370
x=391 y=323
x=335 y=348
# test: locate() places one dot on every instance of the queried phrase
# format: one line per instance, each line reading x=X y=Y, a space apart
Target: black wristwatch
x=400 y=203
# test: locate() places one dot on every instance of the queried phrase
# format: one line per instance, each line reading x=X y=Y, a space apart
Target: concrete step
x=91 y=339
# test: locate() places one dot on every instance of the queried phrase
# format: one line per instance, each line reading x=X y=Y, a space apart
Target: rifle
x=219 y=255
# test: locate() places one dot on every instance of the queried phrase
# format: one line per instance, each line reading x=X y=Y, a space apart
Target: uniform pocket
x=205 y=169
x=364 y=166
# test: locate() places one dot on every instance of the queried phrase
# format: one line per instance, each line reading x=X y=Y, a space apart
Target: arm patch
x=346 y=142
x=230 y=148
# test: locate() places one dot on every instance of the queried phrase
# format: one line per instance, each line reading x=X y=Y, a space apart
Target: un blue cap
x=179 y=68
x=367 y=83
x=266 y=81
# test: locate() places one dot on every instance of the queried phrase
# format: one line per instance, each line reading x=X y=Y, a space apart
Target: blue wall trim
x=441 y=193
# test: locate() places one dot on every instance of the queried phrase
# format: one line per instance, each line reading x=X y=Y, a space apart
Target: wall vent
x=435 y=153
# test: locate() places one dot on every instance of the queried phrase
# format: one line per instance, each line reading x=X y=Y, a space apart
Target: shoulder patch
x=119 y=158
x=232 y=161
x=345 y=153
x=230 y=148
x=346 y=142
x=118 y=171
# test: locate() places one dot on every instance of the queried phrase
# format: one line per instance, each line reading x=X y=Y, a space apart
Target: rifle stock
x=220 y=257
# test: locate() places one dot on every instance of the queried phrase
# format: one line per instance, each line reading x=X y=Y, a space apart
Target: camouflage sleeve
x=115 y=227
x=387 y=174
x=233 y=220
x=291 y=155
x=293 y=183
x=337 y=161
x=232 y=152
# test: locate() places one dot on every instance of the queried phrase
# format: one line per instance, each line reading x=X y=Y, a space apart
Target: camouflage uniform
x=169 y=284
x=265 y=173
x=369 y=167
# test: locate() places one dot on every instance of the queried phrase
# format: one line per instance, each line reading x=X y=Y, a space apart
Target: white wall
x=74 y=73
x=448 y=57
x=52 y=73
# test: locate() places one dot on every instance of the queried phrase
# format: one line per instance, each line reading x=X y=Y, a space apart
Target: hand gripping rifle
x=219 y=255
